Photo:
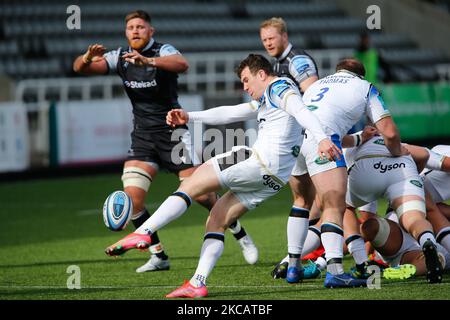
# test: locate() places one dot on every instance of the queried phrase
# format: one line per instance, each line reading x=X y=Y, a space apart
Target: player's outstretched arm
x=419 y=154
x=92 y=61
x=215 y=116
x=426 y=158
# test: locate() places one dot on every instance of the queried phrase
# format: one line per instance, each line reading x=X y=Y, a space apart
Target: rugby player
x=149 y=71
x=398 y=180
x=339 y=101
x=398 y=247
x=300 y=67
x=251 y=175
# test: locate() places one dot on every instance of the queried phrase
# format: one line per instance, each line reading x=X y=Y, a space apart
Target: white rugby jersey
x=437 y=183
x=372 y=148
x=341 y=99
x=279 y=133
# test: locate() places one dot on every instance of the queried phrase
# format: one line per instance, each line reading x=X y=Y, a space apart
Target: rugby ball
x=117 y=210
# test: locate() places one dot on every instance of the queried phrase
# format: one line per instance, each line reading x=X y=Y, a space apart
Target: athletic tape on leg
x=136 y=177
x=383 y=233
x=413 y=205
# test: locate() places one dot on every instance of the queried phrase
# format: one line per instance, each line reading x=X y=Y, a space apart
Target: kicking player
x=397 y=179
x=251 y=175
x=149 y=71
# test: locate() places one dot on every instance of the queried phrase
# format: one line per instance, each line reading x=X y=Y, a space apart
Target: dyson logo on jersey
x=389 y=167
x=268 y=181
x=140 y=84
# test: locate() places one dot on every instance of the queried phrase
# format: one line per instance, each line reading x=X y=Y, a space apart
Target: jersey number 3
x=321 y=94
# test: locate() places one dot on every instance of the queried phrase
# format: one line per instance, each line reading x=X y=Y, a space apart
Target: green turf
x=49 y=225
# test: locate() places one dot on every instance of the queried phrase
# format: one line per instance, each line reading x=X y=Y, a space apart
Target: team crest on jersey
x=300 y=64
x=379 y=141
x=417 y=183
x=312 y=108
x=279 y=87
x=321 y=161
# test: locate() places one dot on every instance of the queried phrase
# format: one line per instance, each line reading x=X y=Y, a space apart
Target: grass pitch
x=49 y=225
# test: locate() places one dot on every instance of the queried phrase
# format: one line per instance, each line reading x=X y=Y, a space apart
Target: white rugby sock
x=321 y=263
x=333 y=241
x=443 y=237
x=357 y=248
x=169 y=210
x=235 y=227
x=212 y=249
x=426 y=235
x=297 y=230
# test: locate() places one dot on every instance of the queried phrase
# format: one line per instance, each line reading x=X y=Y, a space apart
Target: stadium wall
x=424 y=23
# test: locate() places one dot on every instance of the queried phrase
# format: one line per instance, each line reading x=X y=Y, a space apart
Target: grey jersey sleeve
x=112 y=58
x=168 y=50
x=301 y=67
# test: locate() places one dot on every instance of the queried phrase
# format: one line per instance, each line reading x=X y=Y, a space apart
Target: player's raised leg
x=227 y=209
x=203 y=180
x=208 y=200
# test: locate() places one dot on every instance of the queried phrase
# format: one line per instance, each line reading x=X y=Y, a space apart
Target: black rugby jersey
x=152 y=91
x=296 y=65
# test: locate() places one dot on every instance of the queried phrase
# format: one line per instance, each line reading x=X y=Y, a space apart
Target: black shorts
x=171 y=151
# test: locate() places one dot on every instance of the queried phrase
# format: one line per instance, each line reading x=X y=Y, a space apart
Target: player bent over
x=251 y=175
x=149 y=71
x=397 y=179
x=399 y=248
x=392 y=242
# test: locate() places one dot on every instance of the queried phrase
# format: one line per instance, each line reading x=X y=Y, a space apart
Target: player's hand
x=136 y=58
x=177 y=117
x=94 y=52
x=368 y=133
x=328 y=150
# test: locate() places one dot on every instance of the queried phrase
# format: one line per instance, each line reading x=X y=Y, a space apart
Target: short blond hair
x=276 y=22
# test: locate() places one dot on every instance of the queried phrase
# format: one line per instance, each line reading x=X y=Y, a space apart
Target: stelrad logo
x=140 y=84
x=388 y=167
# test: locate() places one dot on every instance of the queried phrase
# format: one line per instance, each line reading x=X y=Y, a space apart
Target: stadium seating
x=35 y=33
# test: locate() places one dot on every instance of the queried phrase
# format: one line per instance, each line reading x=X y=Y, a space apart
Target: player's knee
x=207 y=200
x=136 y=177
